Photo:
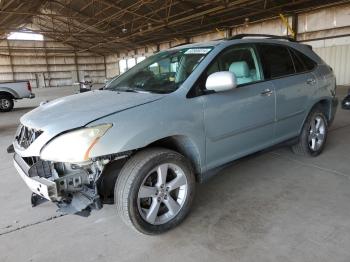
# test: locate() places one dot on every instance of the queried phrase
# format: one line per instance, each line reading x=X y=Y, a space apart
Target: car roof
x=199 y=44
x=246 y=39
x=251 y=39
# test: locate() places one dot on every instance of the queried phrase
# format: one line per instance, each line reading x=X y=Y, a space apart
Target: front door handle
x=266 y=92
x=311 y=81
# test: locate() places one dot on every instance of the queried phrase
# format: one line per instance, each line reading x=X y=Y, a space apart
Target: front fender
x=138 y=127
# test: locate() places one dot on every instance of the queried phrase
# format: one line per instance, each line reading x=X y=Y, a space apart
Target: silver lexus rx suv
x=145 y=139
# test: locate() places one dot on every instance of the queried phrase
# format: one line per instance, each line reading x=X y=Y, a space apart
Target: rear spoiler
x=309 y=46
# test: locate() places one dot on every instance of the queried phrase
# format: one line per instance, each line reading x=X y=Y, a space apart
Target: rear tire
x=154 y=190
x=6 y=103
x=313 y=136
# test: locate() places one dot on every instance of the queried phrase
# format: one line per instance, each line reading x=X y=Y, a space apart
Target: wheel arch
x=7 y=94
x=183 y=145
x=179 y=143
x=325 y=105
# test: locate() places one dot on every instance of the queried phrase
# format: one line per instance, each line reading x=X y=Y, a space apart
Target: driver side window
x=242 y=61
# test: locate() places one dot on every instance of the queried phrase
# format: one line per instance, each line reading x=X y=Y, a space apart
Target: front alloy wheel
x=154 y=190
x=162 y=194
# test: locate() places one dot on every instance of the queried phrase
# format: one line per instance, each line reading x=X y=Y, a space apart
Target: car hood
x=78 y=110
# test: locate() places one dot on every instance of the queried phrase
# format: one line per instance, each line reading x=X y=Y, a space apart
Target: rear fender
x=9 y=91
x=326 y=105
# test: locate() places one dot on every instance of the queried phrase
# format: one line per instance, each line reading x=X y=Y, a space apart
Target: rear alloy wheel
x=317 y=133
x=313 y=135
x=6 y=103
x=154 y=190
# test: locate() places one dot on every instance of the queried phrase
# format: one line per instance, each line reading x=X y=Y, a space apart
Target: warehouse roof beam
x=102 y=26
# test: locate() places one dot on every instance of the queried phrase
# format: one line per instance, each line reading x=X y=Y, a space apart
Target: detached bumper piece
x=73 y=191
x=81 y=203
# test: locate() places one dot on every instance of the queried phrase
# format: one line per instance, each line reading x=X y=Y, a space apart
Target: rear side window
x=276 y=61
x=307 y=62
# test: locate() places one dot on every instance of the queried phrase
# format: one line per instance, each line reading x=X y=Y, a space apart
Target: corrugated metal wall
x=50 y=64
x=338 y=57
x=328 y=23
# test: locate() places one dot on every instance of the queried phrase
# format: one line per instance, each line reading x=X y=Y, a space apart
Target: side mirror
x=221 y=81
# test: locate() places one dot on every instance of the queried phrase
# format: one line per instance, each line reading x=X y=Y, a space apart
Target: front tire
x=313 y=136
x=154 y=190
x=6 y=103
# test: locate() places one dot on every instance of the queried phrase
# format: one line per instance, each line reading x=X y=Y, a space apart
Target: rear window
x=276 y=61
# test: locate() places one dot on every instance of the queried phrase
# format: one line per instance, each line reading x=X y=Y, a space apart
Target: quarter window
x=309 y=64
x=302 y=63
x=298 y=63
x=276 y=60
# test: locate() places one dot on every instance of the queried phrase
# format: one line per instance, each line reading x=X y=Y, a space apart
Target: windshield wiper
x=124 y=89
x=129 y=90
x=132 y=90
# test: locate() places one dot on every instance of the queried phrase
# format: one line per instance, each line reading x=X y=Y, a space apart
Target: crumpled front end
x=73 y=187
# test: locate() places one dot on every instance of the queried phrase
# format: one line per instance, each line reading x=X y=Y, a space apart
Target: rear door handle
x=311 y=81
x=266 y=92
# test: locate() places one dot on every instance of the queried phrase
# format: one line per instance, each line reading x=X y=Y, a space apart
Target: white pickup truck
x=11 y=91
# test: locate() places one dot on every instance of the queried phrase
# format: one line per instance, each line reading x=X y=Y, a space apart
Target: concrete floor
x=272 y=206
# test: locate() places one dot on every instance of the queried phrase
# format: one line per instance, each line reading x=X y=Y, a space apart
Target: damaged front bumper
x=40 y=186
x=71 y=187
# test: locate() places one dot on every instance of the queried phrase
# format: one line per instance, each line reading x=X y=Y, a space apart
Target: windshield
x=161 y=73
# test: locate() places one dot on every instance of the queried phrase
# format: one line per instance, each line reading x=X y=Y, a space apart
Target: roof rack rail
x=241 y=36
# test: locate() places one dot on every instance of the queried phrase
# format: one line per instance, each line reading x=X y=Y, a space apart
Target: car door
x=292 y=82
x=239 y=121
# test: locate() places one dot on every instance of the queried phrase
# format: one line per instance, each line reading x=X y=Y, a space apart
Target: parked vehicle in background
x=84 y=86
x=172 y=120
x=11 y=91
x=346 y=102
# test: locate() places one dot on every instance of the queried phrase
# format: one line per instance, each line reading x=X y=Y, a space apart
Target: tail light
x=29 y=87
